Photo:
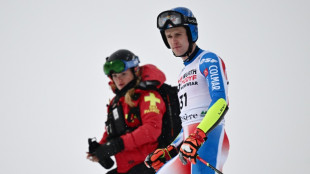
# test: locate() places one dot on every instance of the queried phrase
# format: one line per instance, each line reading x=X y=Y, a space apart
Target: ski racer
x=203 y=101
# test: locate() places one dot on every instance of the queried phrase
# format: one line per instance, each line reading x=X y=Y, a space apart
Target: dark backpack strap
x=134 y=111
x=147 y=85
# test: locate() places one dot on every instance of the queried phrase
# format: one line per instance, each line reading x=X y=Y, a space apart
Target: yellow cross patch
x=152 y=99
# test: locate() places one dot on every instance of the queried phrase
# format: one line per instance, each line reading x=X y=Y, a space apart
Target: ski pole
x=209 y=165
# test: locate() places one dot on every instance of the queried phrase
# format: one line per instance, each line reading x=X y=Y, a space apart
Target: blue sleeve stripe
x=210 y=67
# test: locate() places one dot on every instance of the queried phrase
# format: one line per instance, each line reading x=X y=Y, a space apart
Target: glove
x=159 y=157
x=107 y=163
x=191 y=145
x=110 y=148
x=92 y=145
x=113 y=171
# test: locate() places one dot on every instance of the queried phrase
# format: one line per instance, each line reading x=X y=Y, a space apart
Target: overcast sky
x=53 y=91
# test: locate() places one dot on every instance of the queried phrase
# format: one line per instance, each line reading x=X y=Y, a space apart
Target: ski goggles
x=174 y=18
x=118 y=66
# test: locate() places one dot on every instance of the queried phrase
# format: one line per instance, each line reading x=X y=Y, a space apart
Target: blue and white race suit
x=201 y=83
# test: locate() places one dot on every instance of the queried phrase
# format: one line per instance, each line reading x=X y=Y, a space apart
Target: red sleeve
x=152 y=108
x=104 y=138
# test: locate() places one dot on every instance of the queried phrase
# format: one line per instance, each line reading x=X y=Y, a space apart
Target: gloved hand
x=107 y=163
x=110 y=148
x=159 y=157
x=92 y=145
x=191 y=145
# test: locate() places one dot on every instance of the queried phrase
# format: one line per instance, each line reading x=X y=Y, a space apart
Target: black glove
x=113 y=171
x=92 y=145
x=107 y=162
x=110 y=148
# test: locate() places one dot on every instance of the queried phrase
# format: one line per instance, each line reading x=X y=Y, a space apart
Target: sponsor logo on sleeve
x=211 y=60
x=214 y=76
x=205 y=72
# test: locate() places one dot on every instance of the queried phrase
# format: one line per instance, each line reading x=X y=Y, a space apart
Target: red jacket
x=143 y=140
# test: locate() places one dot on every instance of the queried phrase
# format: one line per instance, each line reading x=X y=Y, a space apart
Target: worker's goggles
x=173 y=18
x=118 y=66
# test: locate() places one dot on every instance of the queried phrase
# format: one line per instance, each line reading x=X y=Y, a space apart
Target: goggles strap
x=183 y=20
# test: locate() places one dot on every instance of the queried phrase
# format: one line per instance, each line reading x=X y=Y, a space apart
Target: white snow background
x=53 y=91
